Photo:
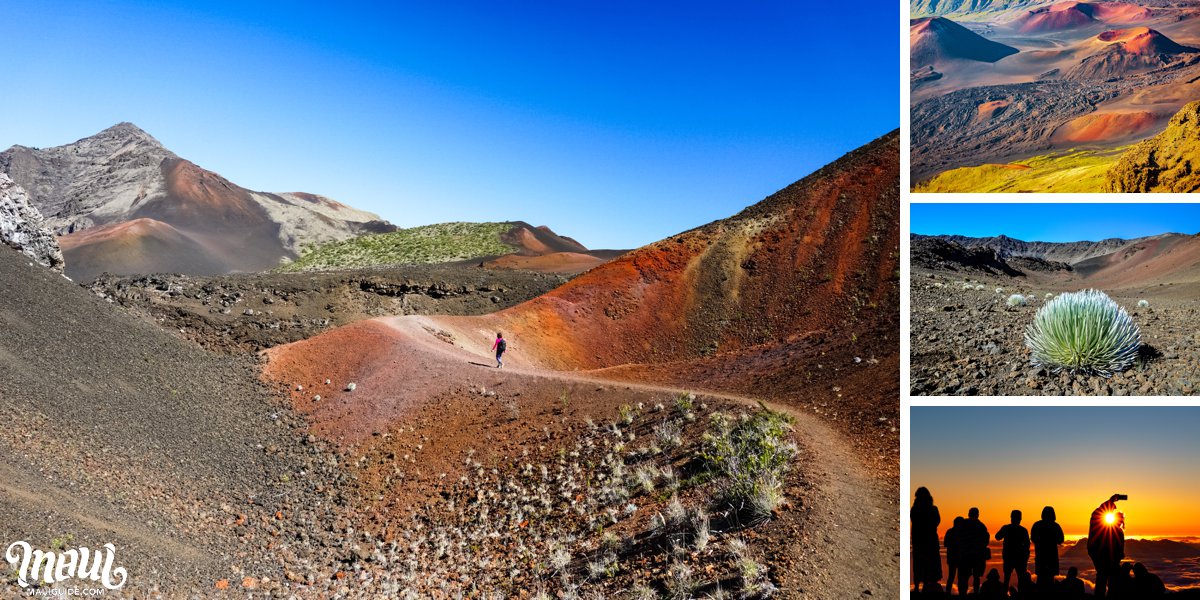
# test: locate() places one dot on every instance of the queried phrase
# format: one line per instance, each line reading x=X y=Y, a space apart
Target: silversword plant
x=1083 y=332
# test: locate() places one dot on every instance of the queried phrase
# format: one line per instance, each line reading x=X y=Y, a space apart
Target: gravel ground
x=118 y=432
x=968 y=342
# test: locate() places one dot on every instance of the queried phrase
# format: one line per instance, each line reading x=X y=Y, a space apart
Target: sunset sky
x=1004 y=458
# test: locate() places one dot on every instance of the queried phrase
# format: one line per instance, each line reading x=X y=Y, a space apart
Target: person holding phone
x=1106 y=543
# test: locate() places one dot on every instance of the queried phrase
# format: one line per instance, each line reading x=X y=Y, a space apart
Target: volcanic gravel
x=116 y=431
x=969 y=342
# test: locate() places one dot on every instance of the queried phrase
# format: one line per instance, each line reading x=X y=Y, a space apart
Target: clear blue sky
x=1055 y=222
x=618 y=123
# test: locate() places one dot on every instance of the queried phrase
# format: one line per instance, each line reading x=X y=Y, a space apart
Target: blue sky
x=1055 y=222
x=618 y=123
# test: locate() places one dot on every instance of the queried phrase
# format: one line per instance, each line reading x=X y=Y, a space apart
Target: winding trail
x=850 y=539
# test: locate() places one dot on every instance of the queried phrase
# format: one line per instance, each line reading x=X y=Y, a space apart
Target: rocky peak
x=90 y=181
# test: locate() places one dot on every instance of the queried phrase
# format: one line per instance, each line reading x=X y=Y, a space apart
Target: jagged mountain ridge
x=1064 y=252
x=123 y=203
x=920 y=8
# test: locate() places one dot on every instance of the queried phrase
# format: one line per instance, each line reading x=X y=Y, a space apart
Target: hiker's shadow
x=471 y=362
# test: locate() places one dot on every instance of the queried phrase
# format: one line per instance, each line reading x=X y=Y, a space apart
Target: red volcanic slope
x=536 y=241
x=819 y=255
x=934 y=39
x=1143 y=41
x=1105 y=127
x=1167 y=258
x=1068 y=15
x=205 y=224
x=776 y=302
x=139 y=246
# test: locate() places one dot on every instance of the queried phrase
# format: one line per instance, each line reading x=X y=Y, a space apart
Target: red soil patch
x=556 y=262
x=994 y=108
x=139 y=246
x=120 y=233
x=1101 y=127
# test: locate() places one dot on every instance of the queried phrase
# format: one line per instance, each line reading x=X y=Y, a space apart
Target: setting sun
x=1110 y=517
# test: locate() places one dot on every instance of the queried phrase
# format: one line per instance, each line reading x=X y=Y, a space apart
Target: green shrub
x=1083 y=332
x=438 y=243
x=1015 y=300
x=750 y=459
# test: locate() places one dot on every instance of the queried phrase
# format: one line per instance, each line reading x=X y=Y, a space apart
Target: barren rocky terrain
x=347 y=435
x=249 y=312
x=966 y=340
x=1079 y=83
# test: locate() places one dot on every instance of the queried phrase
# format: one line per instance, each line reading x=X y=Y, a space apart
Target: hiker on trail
x=1106 y=543
x=927 y=561
x=1046 y=535
x=1016 y=547
x=499 y=346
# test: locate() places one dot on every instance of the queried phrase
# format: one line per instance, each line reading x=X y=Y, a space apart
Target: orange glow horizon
x=1073 y=459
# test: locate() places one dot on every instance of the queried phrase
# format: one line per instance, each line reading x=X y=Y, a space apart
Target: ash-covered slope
x=937 y=39
x=189 y=219
x=118 y=432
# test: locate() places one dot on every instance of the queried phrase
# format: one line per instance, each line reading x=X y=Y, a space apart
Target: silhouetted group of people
x=967 y=553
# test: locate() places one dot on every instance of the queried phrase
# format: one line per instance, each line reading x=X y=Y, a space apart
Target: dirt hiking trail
x=848 y=547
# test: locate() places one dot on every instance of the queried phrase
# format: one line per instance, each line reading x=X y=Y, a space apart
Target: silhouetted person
x=1122 y=582
x=932 y=591
x=927 y=560
x=992 y=587
x=973 y=551
x=1145 y=583
x=1024 y=587
x=1016 y=547
x=950 y=542
x=1106 y=543
x=1072 y=587
x=1046 y=536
